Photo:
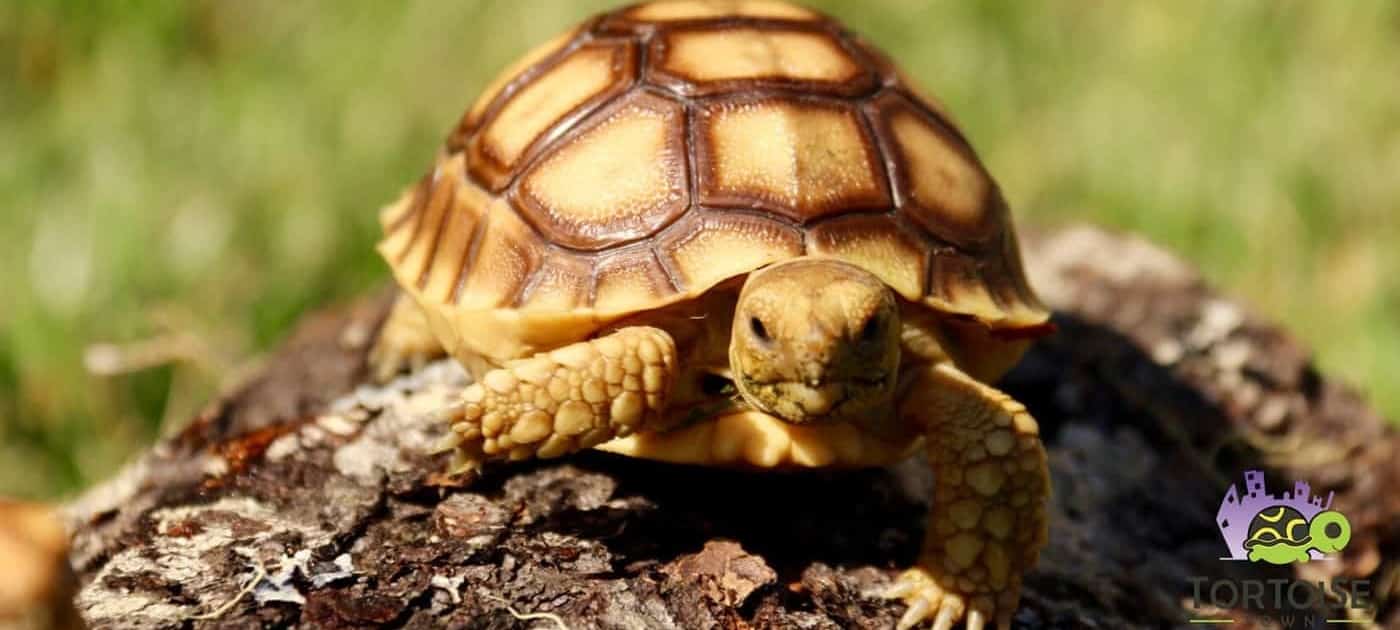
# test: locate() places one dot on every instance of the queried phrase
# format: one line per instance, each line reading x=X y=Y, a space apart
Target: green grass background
x=190 y=177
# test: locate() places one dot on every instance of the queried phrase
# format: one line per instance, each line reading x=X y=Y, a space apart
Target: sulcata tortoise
x=732 y=234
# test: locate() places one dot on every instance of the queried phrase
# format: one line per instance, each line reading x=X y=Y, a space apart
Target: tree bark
x=305 y=498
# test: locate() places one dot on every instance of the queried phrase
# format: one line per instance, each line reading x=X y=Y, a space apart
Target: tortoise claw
x=404 y=343
x=976 y=620
x=463 y=441
x=918 y=610
x=942 y=607
x=387 y=361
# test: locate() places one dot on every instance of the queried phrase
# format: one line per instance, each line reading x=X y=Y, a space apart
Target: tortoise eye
x=870 y=332
x=758 y=329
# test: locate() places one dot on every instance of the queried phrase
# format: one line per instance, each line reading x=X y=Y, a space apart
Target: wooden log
x=303 y=498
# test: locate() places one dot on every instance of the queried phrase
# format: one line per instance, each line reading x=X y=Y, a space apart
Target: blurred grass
x=195 y=175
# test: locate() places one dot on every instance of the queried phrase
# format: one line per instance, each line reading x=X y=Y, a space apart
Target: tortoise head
x=815 y=339
x=1330 y=531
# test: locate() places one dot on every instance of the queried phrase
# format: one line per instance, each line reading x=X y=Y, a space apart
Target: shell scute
x=460 y=227
x=797 y=158
x=630 y=280
x=612 y=182
x=591 y=74
x=503 y=263
x=959 y=279
x=879 y=244
x=399 y=220
x=508 y=79
x=417 y=255
x=948 y=191
x=686 y=10
x=714 y=59
x=564 y=282
x=707 y=247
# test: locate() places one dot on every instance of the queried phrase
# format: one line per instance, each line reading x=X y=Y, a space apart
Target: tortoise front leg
x=988 y=520
x=568 y=399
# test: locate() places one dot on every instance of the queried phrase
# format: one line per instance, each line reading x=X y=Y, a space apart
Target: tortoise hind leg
x=565 y=400
x=988 y=520
x=404 y=342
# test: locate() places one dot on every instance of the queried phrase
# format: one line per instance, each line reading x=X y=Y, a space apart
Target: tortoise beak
x=815 y=398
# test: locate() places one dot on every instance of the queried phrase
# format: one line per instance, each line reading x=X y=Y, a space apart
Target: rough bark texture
x=302 y=499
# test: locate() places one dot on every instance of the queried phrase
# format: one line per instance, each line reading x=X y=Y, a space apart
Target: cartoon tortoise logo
x=1295 y=527
x=1282 y=535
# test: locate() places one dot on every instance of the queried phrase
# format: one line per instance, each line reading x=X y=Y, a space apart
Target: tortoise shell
x=652 y=153
x=1278 y=524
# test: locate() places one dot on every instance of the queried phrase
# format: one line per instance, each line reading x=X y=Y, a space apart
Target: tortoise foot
x=944 y=603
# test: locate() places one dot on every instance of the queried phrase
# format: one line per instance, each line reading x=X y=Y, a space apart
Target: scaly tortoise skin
x=730 y=233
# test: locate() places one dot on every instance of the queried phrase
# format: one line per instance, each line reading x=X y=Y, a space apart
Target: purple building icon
x=1237 y=511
